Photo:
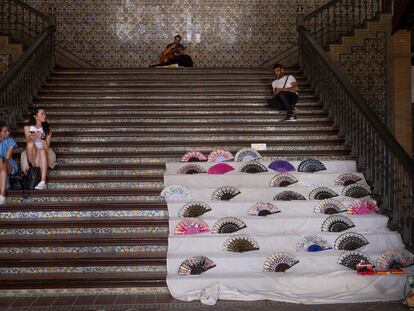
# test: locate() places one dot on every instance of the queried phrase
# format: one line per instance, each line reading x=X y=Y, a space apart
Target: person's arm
x=46 y=142
x=294 y=87
x=28 y=136
x=168 y=49
x=9 y=153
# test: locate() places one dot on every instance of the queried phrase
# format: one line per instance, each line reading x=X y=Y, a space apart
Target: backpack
x=25 y=181
x=18 y=181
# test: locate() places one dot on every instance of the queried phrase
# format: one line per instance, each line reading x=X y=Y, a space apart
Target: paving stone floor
x=166 y=303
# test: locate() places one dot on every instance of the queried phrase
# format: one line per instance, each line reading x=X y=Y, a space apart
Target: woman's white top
x=37 y=141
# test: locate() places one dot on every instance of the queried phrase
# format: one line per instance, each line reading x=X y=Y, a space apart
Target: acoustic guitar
x=167 y=54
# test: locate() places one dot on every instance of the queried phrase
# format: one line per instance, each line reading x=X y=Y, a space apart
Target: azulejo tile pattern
x=85 y=291
x=84 y=249
x=367 y=68
x=107 y=230
x=132 y=33
x=88 y=269
x=83 y=214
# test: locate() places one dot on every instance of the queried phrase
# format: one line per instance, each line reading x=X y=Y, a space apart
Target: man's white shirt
x=280 y=83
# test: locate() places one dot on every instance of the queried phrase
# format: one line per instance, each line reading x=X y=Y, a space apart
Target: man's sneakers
x=41 y=186
x=2 y=199
x=290 y=118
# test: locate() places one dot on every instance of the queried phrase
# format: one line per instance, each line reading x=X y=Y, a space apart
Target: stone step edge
x=82 y=206
x=85 y=206
x=96 y=222
x=77 y=260
x=85 y=239
x=83 y=280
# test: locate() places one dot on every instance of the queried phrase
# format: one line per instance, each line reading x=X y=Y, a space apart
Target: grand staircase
x=101 y=225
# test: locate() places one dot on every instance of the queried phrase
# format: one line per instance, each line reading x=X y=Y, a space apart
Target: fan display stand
x=271 y=256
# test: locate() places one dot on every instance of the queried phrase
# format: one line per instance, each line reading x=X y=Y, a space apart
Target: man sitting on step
x=285 y=92
x=174 y=54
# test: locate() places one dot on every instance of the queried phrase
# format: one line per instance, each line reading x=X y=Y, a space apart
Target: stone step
x=60 y=175
x=152 y=192
x=188 y=102
x=82 y=280
x=242 y=121
x=105 y=158
x=84 y=240
x=71 y=197
x=176 y=124
x=166 y=97
x=89 y=209
x=123 y=212
x=78 y=143
x=171 y=92
x=201 y=132
x=100 y=222
x=175 y=71
x=169 y=114
x=62 y=84
x=100 y=107
x=109 y=183
x=83 y=251
x=212 y=111
x=83 y=260
x=145 y=166
x=115 y=155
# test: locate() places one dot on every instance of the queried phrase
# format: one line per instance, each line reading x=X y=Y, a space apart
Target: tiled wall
x=132 y=33
x=367 y=67
x=5 y=62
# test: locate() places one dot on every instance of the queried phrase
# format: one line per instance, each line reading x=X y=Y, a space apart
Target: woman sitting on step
x=38 y=152
x=7 y=164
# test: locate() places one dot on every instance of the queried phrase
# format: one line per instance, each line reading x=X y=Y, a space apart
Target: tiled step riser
x=115 y=133
x=79 y=231
x=241 y=85
x=94 y=172
x=187 y=103
x=177 y=125
x=212 y=121
x=300 y=148
x=183 y=131
x=171 y=91
x=18 y=199
x=127 y=160
x=62 y=142
x=193 y=97
x=81 y=214
x=90 y=269
x=140 y=292
x=162 y=114
x=83 y=250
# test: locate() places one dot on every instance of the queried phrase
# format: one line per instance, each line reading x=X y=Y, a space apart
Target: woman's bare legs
x=5 y=170
x=31 y=153
x=43 y=164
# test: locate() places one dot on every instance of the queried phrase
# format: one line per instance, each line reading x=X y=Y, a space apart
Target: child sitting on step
x=38 y=152
x=7 y=164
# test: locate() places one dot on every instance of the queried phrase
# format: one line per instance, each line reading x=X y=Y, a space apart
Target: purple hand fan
x=281 y=166
x=221 y=168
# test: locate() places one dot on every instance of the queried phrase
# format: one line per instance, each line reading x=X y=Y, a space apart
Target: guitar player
x=174 y=54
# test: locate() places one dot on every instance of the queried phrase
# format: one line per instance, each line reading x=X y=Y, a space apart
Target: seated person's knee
x=30 y=145
x=42 y=152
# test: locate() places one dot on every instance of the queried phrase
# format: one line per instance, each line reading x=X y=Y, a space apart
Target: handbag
x=33 y=177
